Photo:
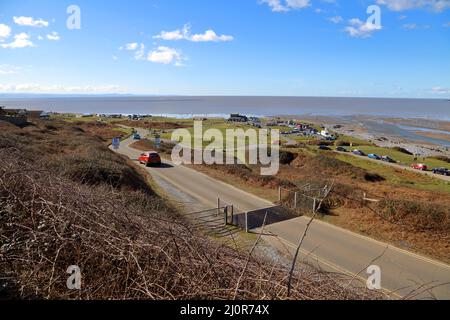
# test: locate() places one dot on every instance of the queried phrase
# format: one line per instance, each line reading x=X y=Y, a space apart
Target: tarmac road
x=330 y=247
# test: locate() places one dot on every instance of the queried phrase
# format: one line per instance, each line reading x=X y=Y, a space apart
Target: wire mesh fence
x=304 y=200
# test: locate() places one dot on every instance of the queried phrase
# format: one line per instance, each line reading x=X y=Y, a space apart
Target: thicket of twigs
x=128 y=243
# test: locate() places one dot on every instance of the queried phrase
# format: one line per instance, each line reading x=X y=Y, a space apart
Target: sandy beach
x=389 y=133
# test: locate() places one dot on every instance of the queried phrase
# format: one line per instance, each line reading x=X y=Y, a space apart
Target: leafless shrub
x=129 y=244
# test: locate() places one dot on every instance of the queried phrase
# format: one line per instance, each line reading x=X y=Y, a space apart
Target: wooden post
x=225 y=213
x=246 y=222
x=295 y=200
x=232 y=214
x=218 y=205
x=279 y=194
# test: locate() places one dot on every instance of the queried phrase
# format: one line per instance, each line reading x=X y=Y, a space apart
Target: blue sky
x=227 y=47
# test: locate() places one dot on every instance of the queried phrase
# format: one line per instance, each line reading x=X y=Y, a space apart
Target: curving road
x=330 y=247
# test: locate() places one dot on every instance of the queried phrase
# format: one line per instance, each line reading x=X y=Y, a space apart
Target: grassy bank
x=66 y=199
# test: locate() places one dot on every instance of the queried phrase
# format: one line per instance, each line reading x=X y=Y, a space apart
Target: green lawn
x=218 y=124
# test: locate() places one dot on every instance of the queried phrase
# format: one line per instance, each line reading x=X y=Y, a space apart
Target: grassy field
x=397 y=177
x=392 y=175
x=218 y=124
x=402 y=158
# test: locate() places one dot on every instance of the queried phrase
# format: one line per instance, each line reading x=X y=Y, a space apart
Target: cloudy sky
x=227 y=47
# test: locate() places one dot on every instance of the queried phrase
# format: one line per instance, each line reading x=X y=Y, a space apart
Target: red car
x=150 y=158
x=419 y=166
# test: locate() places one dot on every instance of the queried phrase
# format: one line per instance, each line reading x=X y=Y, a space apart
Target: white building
x=325 y=133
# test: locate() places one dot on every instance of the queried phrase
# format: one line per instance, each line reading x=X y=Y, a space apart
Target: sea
x=434 y=109
x=219 y=106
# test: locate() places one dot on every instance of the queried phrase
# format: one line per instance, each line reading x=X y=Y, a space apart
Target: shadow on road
x=165 y=166
x=255 y=219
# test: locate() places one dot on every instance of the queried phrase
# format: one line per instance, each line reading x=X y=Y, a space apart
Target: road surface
x=333 y=248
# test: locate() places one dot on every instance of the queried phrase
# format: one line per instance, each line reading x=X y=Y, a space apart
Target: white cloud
x=440 y=90
x=166 y=55
x=161 y=54
x=401 y=5
x=36 y=88
x=210 y=35
x=54 y=36
x=140 y=54
x=286 y=5
x=131 y=46
x=359 y=29
x=298 y=4
x=21 y=40
x=30 y=22
x=5 y=31
x=185 y=34
x=174 y=35
x=409 y=26
x=139 y=49
x=412 y=26
x=336 y=19
x=6 y=69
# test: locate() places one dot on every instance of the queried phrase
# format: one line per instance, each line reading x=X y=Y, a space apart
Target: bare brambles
x=128 y=242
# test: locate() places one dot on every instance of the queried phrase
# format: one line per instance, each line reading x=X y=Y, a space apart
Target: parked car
x=358 y=152
x=374 y=156
x=419 y=166
x=441 y=171
x=137 y=136
x=341 y=149
x=150 y=158
x=325 y=148
x=388 y=159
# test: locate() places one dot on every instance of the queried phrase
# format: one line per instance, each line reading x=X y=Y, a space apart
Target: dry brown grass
x=128 y=242
x=154 y=125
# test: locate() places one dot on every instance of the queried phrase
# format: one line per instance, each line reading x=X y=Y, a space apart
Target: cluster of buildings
x=19 y=117
x=302 y=129
x=254 y=121
x=120 y=116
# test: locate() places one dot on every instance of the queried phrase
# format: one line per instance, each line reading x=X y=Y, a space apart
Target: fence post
x=225 y=213
x=232 y=214
x=218 y=205
x=295 y=200
x=279 y=194
x=246 y=222
x=314 y=205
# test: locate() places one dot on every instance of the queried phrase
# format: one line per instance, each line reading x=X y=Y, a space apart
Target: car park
x=374 y=156
x=388 y=159
x=442 y=171
x=358 y=152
